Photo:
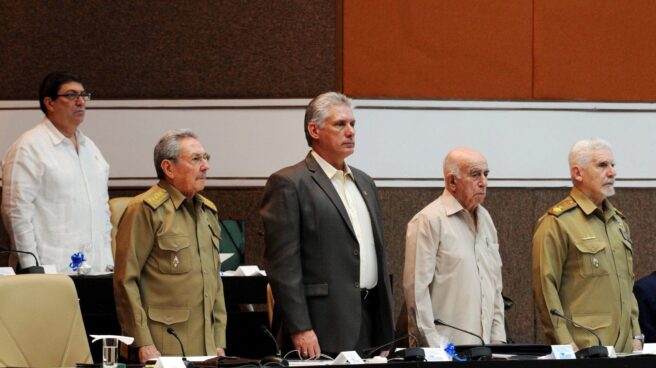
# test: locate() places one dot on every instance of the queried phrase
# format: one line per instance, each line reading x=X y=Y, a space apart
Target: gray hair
x=581 y=152
x=317 y=110
x=168 y=148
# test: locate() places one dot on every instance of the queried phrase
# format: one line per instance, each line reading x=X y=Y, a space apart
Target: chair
x=40 y=322
x=271 y=302
x=117 y=208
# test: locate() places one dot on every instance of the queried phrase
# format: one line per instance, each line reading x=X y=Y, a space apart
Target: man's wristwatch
x=640 y=337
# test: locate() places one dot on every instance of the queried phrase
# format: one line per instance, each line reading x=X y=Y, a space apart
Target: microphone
x=187 y=363
x=475 y=353
x=598 y=351
x=27 y=270
x=265 y=330
x=273 y=359
x=369 y=352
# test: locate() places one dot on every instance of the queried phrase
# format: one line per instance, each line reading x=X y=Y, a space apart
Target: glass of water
x=110 y=353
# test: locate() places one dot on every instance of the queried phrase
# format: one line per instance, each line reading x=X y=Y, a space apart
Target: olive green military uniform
x=583 y=267
x=167 y=272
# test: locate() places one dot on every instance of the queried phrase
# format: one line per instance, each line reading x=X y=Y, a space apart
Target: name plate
x=561 y=352
x=170 y=362
x=348 y=357
x=7 y=271
x=436 y=355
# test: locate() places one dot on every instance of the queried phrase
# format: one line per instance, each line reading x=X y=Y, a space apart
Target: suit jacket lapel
x=326 y=185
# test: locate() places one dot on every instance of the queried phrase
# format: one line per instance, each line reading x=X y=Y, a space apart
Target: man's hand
x=637 y=345
x=493 y=342
x=307 y=344
x=574 y=346
x=220 y=352
x=148 y=352
x=384 y=353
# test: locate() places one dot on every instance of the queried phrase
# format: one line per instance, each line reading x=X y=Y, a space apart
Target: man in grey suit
x=324 y=244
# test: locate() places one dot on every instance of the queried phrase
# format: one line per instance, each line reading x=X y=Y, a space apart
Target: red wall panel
x=438 y=49
x=595 y=50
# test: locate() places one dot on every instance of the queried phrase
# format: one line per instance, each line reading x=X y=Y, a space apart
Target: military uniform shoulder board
x=562 y=207
x=156 y=198
x=620 y=213
x=209 y=204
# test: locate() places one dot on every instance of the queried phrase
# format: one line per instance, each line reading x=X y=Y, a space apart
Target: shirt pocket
x=161 y=318
x=598 y=322
x=168 y=316
x=493 y=264
x=593 y=258
x=174 y=254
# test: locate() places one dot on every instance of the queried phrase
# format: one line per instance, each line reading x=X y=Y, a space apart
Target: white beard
x=608 y=192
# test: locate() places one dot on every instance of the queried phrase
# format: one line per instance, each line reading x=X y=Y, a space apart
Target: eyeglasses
x=73 y=96
x=196 y=160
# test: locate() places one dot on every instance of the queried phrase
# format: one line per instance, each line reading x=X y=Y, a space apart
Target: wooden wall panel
x=595 y=50
x=171 y=48
x=469 y=49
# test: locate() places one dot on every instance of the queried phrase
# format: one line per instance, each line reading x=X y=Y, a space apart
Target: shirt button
x=356 y=252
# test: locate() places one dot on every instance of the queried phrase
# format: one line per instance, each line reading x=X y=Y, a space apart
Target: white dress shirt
x=359 y=216
x=55 y=200
x=453 y=272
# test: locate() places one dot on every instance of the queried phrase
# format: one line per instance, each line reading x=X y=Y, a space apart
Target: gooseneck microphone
x=475 y=353
x=27 y=270
x=598 y=351
x=187 y=363
x=265 y=330
x=417 y=355
x=273 y=360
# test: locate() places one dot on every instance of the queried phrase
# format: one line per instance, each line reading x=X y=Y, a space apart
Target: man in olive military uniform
x=583 y=259
x=167 y=258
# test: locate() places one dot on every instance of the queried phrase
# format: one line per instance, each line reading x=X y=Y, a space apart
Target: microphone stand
x=187 y=363
x=599 y=351
x=274 y=360
x=26 y=270
x=475 y=353
x=408 y=354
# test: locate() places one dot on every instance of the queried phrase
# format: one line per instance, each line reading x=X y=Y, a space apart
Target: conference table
x=246 y=340
x=626 y=362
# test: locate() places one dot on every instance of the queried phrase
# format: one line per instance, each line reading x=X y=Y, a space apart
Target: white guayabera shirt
x=54 y=200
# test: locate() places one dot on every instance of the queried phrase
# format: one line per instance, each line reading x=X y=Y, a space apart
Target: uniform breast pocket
x=174 y=254
x=592 y=258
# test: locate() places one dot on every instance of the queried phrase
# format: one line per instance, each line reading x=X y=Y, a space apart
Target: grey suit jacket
x=312 y=257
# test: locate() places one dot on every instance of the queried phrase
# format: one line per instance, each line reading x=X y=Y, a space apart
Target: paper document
x=245 y=271
x=225 y=256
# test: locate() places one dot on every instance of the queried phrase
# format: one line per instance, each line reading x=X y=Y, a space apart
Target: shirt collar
x=177 y=197
x=329 y=169
x=588 y=207
x=583 y=201
x=451 y=204
x=56 y=136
